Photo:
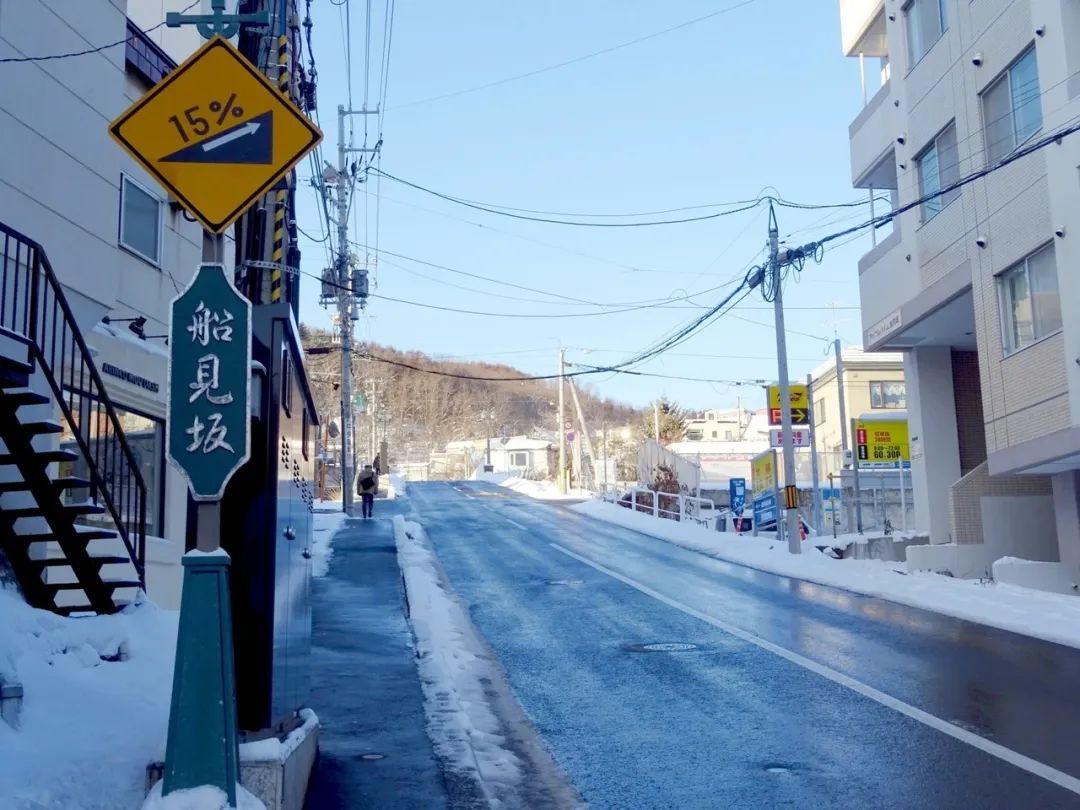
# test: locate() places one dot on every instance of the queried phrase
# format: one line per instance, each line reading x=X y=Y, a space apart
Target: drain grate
x=661 y=646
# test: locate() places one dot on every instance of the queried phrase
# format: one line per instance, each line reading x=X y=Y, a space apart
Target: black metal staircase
x=75 y=541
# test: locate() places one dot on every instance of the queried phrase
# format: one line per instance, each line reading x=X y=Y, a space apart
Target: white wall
x=932 y=430
x=1019 y=526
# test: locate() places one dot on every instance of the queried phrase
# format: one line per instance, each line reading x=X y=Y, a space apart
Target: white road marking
x=1001 y=752
x=463 y=492
x=509 y=520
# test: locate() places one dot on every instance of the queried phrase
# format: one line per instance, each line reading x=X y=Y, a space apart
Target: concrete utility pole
x=791 y=504
x=562 y=422
x=345 y=303
x=656 y=420
x=350 y=289
x=843 y=423
x=588 y=459
x=813 y=453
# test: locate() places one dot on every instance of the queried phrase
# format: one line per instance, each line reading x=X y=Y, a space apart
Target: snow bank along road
x=660 y=677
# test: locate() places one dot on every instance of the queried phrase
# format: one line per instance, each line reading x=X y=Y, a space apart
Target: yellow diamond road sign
x=216 y=134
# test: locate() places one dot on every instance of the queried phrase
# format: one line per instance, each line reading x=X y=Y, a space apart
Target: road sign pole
x=791 y=513
x=562 y=423
x=818 y=506
x=855 y=479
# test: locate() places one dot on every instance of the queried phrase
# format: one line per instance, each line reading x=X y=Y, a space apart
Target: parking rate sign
x=209 y=431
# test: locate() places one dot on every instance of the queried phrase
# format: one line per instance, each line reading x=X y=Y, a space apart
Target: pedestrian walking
x=377 y=465
x=366 y=485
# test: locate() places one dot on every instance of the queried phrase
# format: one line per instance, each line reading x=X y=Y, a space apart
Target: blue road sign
x=737 y=495
x=765 y=510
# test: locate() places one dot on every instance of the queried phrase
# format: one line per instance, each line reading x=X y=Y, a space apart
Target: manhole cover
x=778 y=768
x=372 y=757
x=661 y=646
x=565 y=582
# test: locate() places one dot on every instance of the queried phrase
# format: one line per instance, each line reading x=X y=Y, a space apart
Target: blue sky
x=716 y=111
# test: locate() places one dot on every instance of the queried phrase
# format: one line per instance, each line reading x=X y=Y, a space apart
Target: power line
x=577 y=59
x=576 y=223
x=99 y=49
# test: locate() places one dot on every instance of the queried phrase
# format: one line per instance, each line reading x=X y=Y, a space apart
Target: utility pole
x=791 y=498
x=588 y=459
x=562 y=422
x=656 y=420
x=843 y=424
x=813 y=454
x=350 y=288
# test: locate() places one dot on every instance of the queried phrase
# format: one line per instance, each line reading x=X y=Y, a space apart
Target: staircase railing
x=39 y=312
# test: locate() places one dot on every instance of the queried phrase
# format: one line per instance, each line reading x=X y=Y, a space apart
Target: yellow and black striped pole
x=278 y=255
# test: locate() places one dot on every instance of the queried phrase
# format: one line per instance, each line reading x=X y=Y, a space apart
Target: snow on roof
x=127 y=336
x=856 y=356
x=692 y=449
x=889 y=415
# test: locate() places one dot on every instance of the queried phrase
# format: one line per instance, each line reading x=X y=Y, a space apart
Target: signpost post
x=208 y=439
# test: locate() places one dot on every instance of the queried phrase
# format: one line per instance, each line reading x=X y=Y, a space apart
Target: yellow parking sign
x=882 y=443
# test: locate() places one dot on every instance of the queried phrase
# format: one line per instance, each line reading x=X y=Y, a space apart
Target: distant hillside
x=420 y=412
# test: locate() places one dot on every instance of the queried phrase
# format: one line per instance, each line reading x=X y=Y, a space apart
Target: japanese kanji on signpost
x=209 y=375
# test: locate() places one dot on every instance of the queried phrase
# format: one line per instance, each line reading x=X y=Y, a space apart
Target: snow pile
x=454 y=666
x=540 y=490
x=398 y=488
x=96 y=704
x=200 y=798
x=1050 y=616
x=274 y=750
x=327 y=521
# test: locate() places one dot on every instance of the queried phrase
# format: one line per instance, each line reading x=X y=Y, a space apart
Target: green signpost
x=208 y=438
x=209 y=432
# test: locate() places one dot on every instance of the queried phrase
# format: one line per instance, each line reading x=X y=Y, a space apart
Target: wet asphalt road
x=728 y=723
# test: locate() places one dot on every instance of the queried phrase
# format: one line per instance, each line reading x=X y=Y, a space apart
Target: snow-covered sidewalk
x=327 y=521
x=1053 y=617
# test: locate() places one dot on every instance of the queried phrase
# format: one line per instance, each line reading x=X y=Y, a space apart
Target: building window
x=888 y=395
x=1012 y=112
x=519 y=459
x=714 y=434
x=140 y=220
x=144 y=436
x=926 y=22
x=727 y=436
x=939 y=168
x=819 y=412
x=694 y=435
x=1030 y=305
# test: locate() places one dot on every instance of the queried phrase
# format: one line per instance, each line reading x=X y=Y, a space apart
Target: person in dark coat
x=366 y=485
x=377 y=465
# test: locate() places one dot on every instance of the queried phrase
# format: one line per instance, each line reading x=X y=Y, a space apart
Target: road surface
x=659 y=677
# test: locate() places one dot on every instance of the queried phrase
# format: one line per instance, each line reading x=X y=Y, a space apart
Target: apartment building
x=118 y=250
x=978 y=286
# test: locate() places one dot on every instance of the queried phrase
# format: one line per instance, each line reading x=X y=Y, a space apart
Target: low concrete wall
x=164 y=572
x=888 y=548
x=1044 y=576
x=1020 y=526
x=967 y=561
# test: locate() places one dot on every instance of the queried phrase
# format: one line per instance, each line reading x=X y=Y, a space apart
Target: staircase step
x=89 y=534
x=47 y=456
x=76 y=510
x=59 y=562
x=67 y=610
x=20 y=398
x=66 y=482
x=42 y=428
x=114 y=584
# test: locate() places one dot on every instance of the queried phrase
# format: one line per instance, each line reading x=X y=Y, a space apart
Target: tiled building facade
x=978 y=284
